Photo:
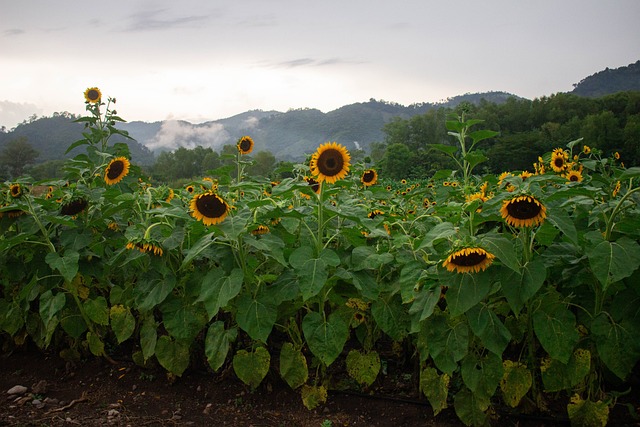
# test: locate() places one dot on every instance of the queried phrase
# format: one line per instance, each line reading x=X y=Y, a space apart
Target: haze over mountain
x=288 y=135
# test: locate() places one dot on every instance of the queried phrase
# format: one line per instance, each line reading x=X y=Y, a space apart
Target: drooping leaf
x=520 y=286
x=557 y=376
x=613 y=261
x=435 y=387
x=252 y=367
x=256 y=315
x=173 y=355
x=486 y=325
x=448 y=343
x=555 y=327
x=218 y=289
x=66 y=264
x=325 y=336
x=122 y=322
x=363 y=366
x=467 y=290
x=470 y=407
x=515 y=383
x=293 y=366
x=217 y=344
x=313 y=396
x=586 y=413
x=97 y=310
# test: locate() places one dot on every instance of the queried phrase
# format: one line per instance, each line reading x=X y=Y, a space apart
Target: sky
x=207 y=60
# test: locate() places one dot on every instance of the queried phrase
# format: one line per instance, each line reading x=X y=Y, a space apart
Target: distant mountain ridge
x=609 y=81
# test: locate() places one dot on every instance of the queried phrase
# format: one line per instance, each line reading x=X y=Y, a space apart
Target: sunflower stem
x=615 y=212
x=44 y=231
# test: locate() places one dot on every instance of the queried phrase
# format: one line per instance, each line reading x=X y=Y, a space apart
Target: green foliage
x=252 y=367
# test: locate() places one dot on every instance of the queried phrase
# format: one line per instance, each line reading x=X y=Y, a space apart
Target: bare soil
x=95 y=392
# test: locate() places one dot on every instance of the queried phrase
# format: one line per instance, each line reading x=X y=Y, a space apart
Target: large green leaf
x=293 y=366
x=150 y=292
x=486 y=325
x=252 y=367
x=312 y=272
x=390 y=316
x=363 y=366
x=482 y=374
x=183 y=321
x=520 y=286
x=218 y=289
x=148 y=337
x=617 y=343
x=470 y=407
x=435 y=387
x=613 y=261
x=66 y=264
x=557 y=376
x=50 y=305
x=172 y=355
x=586 y=413
x=325 y=337
x=256 y=315
x=122 y=322
x=515 y=383
x=503 y=249
x=555 y=327
x=217 y=344
x=467 y=290
x=448 y=343
x=97 y=310
x=561 y=219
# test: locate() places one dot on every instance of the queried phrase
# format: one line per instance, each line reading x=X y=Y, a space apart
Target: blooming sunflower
x=573 y=176
x=190 y=189
x=616 y=155
x=559 y=159
x=209 y=208
x=245 y=145
x=369 y=177
x=261 y=229
x=92 y=95
x=586 y=149
x=468 y=260
x=315 y=185
x=374 y=213
x=15 y=190
x=330 y=162
x=144 y=247
x=523 y=211
x=74 y=207
x=117 y=169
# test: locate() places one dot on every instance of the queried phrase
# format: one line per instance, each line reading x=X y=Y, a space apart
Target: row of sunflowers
x=505 y=290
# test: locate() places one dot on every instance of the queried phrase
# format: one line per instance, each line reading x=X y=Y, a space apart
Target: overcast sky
x=207 y=60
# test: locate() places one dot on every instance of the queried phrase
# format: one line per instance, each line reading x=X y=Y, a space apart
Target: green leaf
x=629 y=173
x=447 y=149
x=73 y=323
x=96 y=346
x=482 y=134
x=586 y=413
x=256 y=315
x=150 y=292
x=390 y=316
x=613 y=261
x=425 y=303
x=172 y=355
x=13 y=318
x=503 y=249
x=558 y=376
x=520 y=286
x=217 y=344
x=474 y=158
x=183 y=321
x=467 y=290
x=448 y=343
x=363 y=366
x=97 y=310
x=470 y=408
x=251 y=368
x=436 y=388
x=148 y=337
x=312 y=272
x=195 y=250
x=482 y=374
x=67 y=264
x=312 y=396
x=325 y=337
x=218 y=289
x=617 y=345
x=409 y=280
x=440 y=232
x=563 y=222
x=515 y=382
x=486 y=325
x=293 y=366
x=555 y=327
x=122 y=322
x=50 y=305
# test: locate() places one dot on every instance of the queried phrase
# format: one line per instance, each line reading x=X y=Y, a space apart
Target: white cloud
x=13 y=113
x=174 y=134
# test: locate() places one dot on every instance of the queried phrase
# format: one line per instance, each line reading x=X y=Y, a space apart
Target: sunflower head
x=374 y=213
x=573 y=176
x=315 y=185
x=74 y=207
x=559 y=159
x=523 y=211
x=468 y=260
x=330 y=162
x=117 y=169
x=261 y=229
x=209 y=208
x=15 y=190
x=245 y=145
x=369 y=177
x=92 y=95
x=145 y=246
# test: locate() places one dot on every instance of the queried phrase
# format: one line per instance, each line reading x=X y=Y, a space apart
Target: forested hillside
x=609 y=81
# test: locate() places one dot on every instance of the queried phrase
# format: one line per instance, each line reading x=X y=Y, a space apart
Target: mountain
x=609 y=81
x=294 y=134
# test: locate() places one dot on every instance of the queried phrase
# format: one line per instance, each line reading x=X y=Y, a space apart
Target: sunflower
x=209 y=208
x=616 y=189
x=573 y=176
x=74 y=207
x=261 y=229
x=190 y=189
x=92 y=95
x=468 y=260
x=144 y=247
x=375 y=213
x=586 y=149
x=616 y=155
x=369 y=177
x=117 y=169
x=523 y=211
x=330 y=162
x=245 y=145
x=15 y=190
x=559 y=159
x=315 y=185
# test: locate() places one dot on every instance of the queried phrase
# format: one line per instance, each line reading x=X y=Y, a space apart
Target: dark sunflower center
x=15 y=190
x=330 y=162
x=558 y=162
x=315 y=185
x=74 y=207
x=211 y=206
x=93 y=95
x=245 y=145
x=115 y=169
x=368 y=176
x=573 y=178
x=469 y=260
x=523 y=209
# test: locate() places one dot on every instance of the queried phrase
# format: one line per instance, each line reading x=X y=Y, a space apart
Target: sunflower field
x=505 y=291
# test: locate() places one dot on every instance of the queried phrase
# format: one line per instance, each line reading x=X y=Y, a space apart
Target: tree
x=264 y=163
x=17 y=154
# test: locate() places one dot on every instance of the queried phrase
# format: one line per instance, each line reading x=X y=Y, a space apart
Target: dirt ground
x=97 y=393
